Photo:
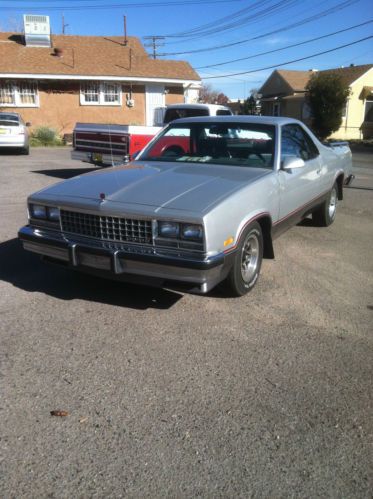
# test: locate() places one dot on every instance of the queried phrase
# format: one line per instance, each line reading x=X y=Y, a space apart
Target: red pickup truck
x=101 y=144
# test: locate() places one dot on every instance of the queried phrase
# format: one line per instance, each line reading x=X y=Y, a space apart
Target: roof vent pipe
x=58 y=52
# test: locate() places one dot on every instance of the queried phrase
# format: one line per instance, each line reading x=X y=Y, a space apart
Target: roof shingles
x=299 y=79
x=88 y=56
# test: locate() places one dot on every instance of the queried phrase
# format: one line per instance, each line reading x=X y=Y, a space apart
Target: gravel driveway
x=178 y=395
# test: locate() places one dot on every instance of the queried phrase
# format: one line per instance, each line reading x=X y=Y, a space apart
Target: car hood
x=190 y=187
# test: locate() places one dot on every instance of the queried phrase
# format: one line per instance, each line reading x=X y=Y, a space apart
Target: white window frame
x=19 y=89
x=102 y=93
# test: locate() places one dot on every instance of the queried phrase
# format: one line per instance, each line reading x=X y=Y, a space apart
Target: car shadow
x=26 y=271
x=65 y=173
x=11 y=151
x=361 y=188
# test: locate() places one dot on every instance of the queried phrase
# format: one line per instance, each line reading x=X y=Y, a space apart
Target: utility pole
x=155 y=43
x=63 y=24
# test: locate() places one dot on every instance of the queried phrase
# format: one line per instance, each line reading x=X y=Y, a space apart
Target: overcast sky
x=197 y=31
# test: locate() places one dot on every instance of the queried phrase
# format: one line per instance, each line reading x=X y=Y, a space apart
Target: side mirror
x=28 y=123
x=292 y=162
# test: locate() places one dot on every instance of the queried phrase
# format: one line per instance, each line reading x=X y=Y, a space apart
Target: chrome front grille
x=107 y=228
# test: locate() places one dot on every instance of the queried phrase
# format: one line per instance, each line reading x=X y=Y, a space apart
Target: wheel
x=25 y=150
x=325 y=214
x=247 y=262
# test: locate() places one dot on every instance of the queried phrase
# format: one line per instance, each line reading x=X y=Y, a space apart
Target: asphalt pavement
x=178 y=395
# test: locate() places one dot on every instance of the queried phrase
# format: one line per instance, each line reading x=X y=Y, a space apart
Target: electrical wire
x=288 y=62
x=114 y=6
x=285 y=48
x=236 y=20
x=315 y=17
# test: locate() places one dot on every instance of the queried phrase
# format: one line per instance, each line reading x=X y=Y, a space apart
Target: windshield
x=235 y=144
x=9 y=119
x=176 y=113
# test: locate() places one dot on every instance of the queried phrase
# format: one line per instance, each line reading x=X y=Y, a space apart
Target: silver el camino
x=201 y=204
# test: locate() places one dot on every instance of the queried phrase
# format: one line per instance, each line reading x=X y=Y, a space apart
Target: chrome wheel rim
x=249 y=257
x=332 y=204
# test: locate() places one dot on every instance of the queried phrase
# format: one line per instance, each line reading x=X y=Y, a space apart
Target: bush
x=327 y=96
x=45 y=136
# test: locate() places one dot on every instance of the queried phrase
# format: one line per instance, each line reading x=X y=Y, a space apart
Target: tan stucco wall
x=174 y=95
x=351 y=124
x=60 y=108
x=292 y=108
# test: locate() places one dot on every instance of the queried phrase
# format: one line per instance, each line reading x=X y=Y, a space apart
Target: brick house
x=284 y=94
x=88 y=79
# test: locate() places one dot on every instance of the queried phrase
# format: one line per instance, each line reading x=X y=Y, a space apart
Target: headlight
x=38 y=211
x=168 y=229
x=192 y=232
x=53 y=214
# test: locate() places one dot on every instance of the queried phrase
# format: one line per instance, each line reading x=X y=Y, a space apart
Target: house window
x=276 y=109
x=24 y=94
x=344 y=110
x=368 y=116
x=91 y=93
x=100 y=94
x=306 y=111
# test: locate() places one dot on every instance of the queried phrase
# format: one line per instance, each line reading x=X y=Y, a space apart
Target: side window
x=223 y=112
x=296 y=142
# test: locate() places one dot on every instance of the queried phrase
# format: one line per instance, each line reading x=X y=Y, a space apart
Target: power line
x=315 y=17
x=285 y=48
x=236 y=20
x=114 y=6
x=289 y=62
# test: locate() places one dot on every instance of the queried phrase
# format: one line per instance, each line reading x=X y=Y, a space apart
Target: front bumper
x=125 y=261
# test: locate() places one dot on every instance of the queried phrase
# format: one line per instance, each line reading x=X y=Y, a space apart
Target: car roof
x=264 y=120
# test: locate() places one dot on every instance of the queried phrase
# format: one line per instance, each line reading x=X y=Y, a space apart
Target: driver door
x=299 y=187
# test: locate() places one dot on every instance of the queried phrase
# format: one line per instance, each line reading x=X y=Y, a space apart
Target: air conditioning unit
x=37 y=30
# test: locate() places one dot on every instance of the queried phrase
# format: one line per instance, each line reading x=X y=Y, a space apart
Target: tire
x=325 y=215
x=247 y=262
x=25 y=150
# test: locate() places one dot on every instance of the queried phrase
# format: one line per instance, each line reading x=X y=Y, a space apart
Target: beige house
x=60 y=80
x=284 y=94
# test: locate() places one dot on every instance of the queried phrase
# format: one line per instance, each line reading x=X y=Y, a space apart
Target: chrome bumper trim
x=116 y=262
x=107 y=159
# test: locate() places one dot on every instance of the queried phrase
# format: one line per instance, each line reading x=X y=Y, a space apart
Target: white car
x=13 y=132
x=201 y=204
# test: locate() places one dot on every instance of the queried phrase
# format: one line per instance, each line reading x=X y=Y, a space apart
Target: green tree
x=327 y=97
x=249 y=105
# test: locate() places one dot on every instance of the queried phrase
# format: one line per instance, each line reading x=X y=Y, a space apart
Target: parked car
x=207 y=212
x=104 y=144
x=13 y=132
